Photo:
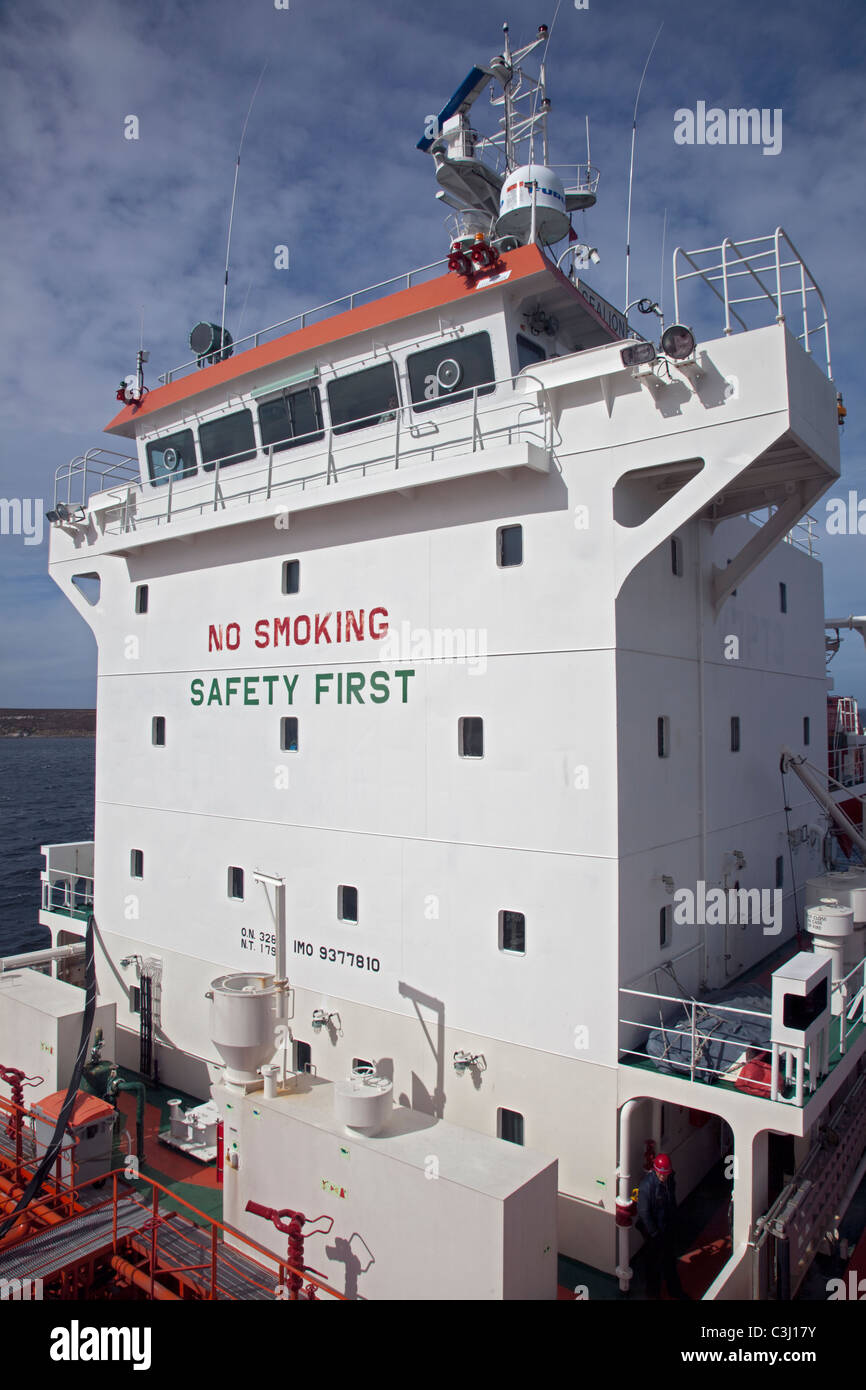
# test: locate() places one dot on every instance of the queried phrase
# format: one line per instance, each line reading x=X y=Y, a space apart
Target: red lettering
x=353 y=622
x=233 y=628
x=381 y=628
x=262 y=632
x=215 y=638
x=302 y=641
x=282 y=628
x=339 y=624
x=321 y=632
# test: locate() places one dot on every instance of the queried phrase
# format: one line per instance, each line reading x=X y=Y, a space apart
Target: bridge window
x=173 y=456
x=347 y=903
x=289 y=734
x=509 y=1125
x=666 y=917
x=450 y=371
x=227 y=440
x=807 y=731
x=236 y=882
x=293 y=418
x=735 y=733
x=303 y=1055
x=509 y=546
x=470 y=735
x=676 y=556
x=783 y=598
x=663 y=736
x=363 y=398
x=512 y=932
x=291 y=576
x=141 y=598
x=136 y=863
x=157 y=730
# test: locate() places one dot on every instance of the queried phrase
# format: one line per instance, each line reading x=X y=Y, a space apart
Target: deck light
x=678 y=342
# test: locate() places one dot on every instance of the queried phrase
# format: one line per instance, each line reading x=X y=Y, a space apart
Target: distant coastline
x=47 y=723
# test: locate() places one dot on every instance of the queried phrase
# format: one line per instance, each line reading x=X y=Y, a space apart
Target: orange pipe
x=130 y=1274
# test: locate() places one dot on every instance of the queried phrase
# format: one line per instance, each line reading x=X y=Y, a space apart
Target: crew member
x=657 y=1210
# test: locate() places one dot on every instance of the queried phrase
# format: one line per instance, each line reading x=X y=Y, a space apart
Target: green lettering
x=196 y=695
x=354 y=685
x=233 y=685
x=404 y=676
x=379 y=682
x=290 y=686
x=270 y=682
x=214 y=697
x=249 y=697
x=320 y=688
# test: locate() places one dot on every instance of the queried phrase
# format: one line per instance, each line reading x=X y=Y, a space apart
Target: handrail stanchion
x=213 y=1262
x=154 y=1216
x=270 y=469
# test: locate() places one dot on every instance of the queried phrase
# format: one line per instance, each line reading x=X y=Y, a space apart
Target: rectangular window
x=364 y=398
x=293 y=418
x=780 y=872
x=347 y=903
x=735 y=733
x=509 y=1125
x=291 y=576
x=141 y=595
x=135 y=999
x=733 y=591
x=512 y=932
x=448 y=372
x=470 y=737
x=302 y=1055
x=236 y=882
x=528 y=353
x=136 y=863
x=173 y=456
x=783 y=598
x=807 y=730
x=227 y=440
x=157 y=730
x=666 y=917
x=676 y=556
x=289 y=734
x=509 y=546
x=663 y=736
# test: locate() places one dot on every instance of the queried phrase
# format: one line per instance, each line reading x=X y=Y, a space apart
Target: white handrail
x=754 y=258
x=254 y=338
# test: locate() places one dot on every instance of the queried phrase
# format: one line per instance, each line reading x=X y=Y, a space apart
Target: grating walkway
x=181 y=1243
x=43 y=1256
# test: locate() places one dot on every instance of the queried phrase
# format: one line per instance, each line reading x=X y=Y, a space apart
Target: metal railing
x=92 y=472
x=691 y=1065
x=508 y=418
x=67 y=893
x=771 y=266
x=347 y=301
x=803 y=535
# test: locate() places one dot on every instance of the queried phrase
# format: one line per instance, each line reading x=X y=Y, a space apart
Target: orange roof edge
x=85 y=1111
x=444 y=289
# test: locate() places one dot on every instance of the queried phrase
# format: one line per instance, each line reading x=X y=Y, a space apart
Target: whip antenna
x=232 y=208
x=631 y=165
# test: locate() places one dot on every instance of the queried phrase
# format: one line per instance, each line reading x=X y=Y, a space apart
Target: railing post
x=114 y=1213
x=170 y=486
x=694 y=1042
x=153 y=1216
x=397 y=436
x=213 y=1261
x=216 y=483
x=805 y=307
x=270 y=468
x=728 y=329
x=780 y=317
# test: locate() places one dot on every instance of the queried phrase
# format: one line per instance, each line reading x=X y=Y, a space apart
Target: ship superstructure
x=461 y=634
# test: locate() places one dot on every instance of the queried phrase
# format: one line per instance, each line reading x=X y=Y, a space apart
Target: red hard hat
x=662 y=1164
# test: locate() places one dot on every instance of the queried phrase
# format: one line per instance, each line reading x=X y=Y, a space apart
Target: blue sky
x=94 y=228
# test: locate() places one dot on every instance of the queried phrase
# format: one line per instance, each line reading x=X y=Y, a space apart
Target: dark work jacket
x=656 y=1205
